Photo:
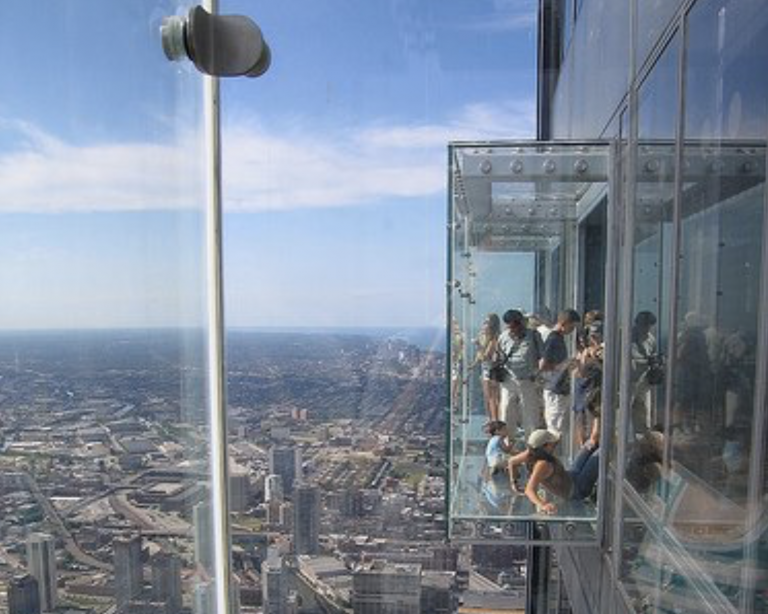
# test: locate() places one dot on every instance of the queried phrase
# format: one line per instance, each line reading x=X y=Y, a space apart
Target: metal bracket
x=218 y=45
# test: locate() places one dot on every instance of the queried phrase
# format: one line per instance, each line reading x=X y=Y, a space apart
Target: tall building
x=273 y=488
x=285 y=461
x=274 y=499
x=239 y=491
x=129 y=570
x=41 y=562
x=438 y=592
x=203 y=598
x=166 y=581
x=655 y=117
x=274 y=585
x=306 y=520
x=383 y=588
x=292 y=603
x=234 y=595
x=202 y=521
x=23 y=595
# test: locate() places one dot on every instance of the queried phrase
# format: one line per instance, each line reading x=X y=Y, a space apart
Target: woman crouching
x=546 y=470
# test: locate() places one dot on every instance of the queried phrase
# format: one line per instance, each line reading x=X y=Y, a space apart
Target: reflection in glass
x=600 y=25
x=652 y=212
x=686 y=531
x=651 y=577
x=652 y=17
x=517 y=229
x=103 y=370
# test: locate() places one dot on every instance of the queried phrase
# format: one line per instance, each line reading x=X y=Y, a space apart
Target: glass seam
x=215 y=331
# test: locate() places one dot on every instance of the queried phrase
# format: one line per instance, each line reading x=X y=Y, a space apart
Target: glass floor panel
x=476 y=496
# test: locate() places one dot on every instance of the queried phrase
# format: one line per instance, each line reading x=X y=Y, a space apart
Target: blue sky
x=334 y=162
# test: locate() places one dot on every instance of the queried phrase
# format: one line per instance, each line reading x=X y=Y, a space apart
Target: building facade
x=643 y=201
x=306 y=520
x=285 y=461
x=202 y=519
x=274 y=584
x=166 y=581
x=23 y=595
x=381 y=588
x=681 y=86
x=41 y=561
x=129 y=570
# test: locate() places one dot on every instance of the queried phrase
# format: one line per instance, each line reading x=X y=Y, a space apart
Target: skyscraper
x=382 y=588
x=202 y=518
x=23 y=595
x=273 y=496
x=166 y=581
x=41 y=561
x=239 y=491
x=285 y=461
x=306 y=520
x=438 y=592
x=273 y=488
x=204 y=599
x=129 y=571
x=273 y=583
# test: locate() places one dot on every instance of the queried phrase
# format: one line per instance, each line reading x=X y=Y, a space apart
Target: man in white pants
x=555 y=366
x=520 y=403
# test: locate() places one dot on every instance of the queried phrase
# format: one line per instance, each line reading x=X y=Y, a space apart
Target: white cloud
x=264 y=168
x=377 y=162
x=45 y=174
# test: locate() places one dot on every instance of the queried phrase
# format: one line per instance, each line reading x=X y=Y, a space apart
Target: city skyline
x=102 y=447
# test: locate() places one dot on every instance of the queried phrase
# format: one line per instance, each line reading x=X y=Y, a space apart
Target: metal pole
x=217 y=406
x=674 y=286
x=450 y=244
x=759 y=433
x=623 y=340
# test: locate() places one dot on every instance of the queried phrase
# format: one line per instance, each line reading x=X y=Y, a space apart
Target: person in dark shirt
x=588 y=378
x=555 y=366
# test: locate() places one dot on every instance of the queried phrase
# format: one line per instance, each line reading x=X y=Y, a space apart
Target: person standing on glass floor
x=521 y=347
x=555 y=366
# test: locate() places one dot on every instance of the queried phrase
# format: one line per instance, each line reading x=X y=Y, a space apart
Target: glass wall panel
x=593 y=78
x=521 y=205
x=652 y=208
x=653 y=16
x=653 y=577
x=336 y=267
x=612 y=390
x=104 y=431
x=566 y=13
x=721 y=243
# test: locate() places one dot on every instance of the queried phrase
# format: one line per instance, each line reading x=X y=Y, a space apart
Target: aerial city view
x=336 y=478
x=384 y=307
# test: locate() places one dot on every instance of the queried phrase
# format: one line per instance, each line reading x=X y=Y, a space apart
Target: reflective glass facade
x=105 y=453
x=528 y=236
x=686 y=530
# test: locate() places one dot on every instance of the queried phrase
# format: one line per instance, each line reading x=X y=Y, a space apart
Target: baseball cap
x=541 y=437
